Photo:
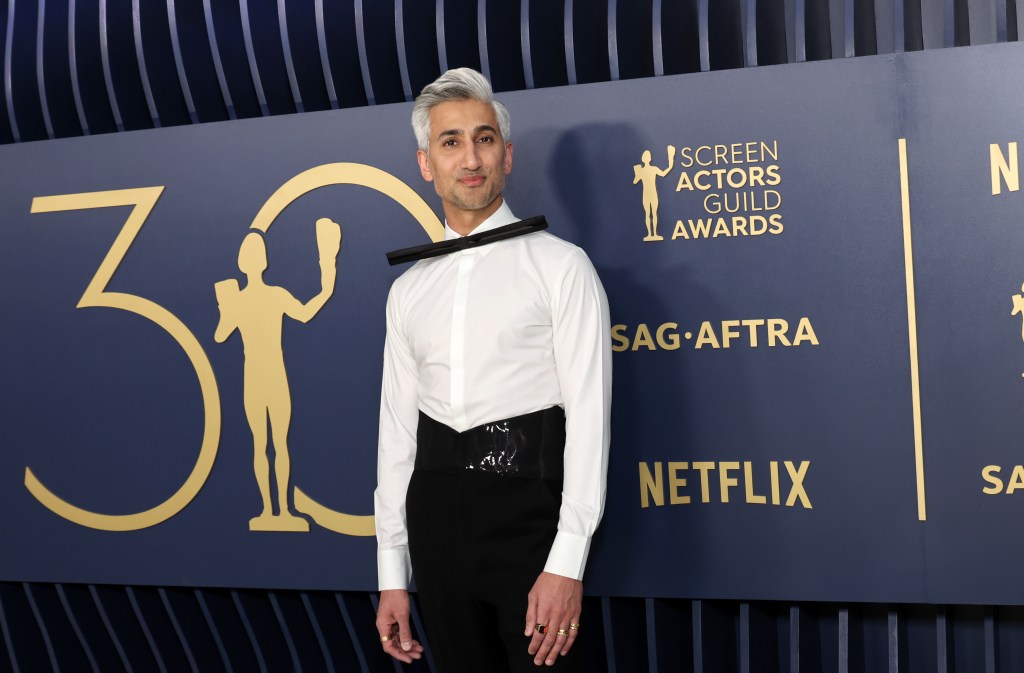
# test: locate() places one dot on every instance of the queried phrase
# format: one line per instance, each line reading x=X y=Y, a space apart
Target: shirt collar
x=502 y=216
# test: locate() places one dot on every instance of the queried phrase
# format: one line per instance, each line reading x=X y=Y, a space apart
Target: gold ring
x=541 y=629
x=574 y=627
x=563 y=633
x=385 y=639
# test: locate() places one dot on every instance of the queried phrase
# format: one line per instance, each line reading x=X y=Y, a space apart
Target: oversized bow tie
x=473 y=240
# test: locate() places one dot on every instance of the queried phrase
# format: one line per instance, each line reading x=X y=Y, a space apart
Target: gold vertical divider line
x=915 y=382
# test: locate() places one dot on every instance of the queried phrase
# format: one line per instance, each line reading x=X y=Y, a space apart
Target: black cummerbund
x=530 y=446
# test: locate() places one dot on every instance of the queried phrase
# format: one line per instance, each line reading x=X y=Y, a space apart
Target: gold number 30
x=143 y=200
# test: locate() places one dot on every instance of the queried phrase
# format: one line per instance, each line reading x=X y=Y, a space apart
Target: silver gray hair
x=456 y=85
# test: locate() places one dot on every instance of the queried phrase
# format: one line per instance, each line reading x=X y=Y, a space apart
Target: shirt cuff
x=568 y=555
x=394 y=571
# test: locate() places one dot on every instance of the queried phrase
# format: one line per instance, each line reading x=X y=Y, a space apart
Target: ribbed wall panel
x=113 y=628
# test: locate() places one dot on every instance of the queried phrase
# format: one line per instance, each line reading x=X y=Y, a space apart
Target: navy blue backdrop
x=711 y=404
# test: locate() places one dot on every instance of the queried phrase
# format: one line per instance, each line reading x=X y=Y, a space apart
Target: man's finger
x=531 y=615
x=571 y=638
x=547 y=648
x=548 y=642
x=389 y=642
x=561 y=634
x=561 y=638
x=404 y=634
x=393 y=647
x=535 y=642
x=538 y=638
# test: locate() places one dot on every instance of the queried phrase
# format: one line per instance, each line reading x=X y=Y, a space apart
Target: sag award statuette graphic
x=257 y=312
x=1018 y=308
x=647 y=175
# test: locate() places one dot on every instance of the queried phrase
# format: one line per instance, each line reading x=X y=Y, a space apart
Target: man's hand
x=393 y=624
x=555 y=601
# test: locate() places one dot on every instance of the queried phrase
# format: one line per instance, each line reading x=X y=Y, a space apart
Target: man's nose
x=471 y=156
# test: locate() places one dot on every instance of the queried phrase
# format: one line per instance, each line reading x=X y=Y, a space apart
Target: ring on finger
x=574 y=627
x=385 y=639
x=541 y=629
x=563 y=633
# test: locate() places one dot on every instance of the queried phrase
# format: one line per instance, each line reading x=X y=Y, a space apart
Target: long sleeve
x=396 y=453
x=582 y=349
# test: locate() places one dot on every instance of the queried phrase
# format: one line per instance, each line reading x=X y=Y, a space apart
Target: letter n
x=1006 y=170
x=651 y=485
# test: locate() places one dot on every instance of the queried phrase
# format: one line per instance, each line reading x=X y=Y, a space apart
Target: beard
x=477 y=198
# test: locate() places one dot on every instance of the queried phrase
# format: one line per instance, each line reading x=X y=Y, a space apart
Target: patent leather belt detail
x=530 y=446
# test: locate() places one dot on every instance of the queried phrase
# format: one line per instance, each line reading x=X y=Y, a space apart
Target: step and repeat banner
x=816 y=278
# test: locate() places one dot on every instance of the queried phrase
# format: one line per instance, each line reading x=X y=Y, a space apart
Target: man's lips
x=472 y=180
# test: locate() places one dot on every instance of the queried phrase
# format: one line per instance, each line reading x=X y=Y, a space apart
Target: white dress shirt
x=489 y=333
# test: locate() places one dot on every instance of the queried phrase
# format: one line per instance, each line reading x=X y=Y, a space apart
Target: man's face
x=467 y=158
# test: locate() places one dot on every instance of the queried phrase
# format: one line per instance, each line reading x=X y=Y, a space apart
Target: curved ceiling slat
x=702 y=31
x=898 y=32
x=140 y=56
x=837 y=28
x=40 y=70
x=657 y=51
x=481 y=36
x=570 y=42
x=176 y=625
x=211 y=627
x=250 y=53
x=403 y=63
x=108 y=625
x=69 y=614
x=790 y=25
x=105 y=58
x=353 y=35
x=76 y=87
x=8 y=72
x=325 y=61
x=364 y=63
x=250 y=633
x=750 y=32
x=332 y=93
x=800 y=31
x=218 y=65
x=442 y=47
x=286 y=49
x=950 y=23
x=7 y=36
x=524 y=41
x=186 y=90
x=357 y=644
x=613 y=40
x=850 y=28
x=284 y=631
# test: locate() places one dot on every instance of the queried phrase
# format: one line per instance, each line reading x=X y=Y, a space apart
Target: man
x=494 y=415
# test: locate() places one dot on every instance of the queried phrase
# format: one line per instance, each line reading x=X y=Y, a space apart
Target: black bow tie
x=473 y=240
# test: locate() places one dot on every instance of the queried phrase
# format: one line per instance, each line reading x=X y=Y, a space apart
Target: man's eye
x=485 y=139
x=451 y=142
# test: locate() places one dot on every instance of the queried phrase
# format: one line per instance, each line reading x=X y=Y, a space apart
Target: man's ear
x=508 y=158
x=424 y=162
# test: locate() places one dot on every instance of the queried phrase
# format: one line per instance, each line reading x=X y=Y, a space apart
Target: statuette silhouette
x=257 y=312
x=648 y=174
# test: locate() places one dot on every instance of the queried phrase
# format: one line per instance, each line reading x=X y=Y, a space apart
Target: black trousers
x=478 y=540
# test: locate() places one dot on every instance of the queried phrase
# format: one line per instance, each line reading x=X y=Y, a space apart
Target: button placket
x=467 y=261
